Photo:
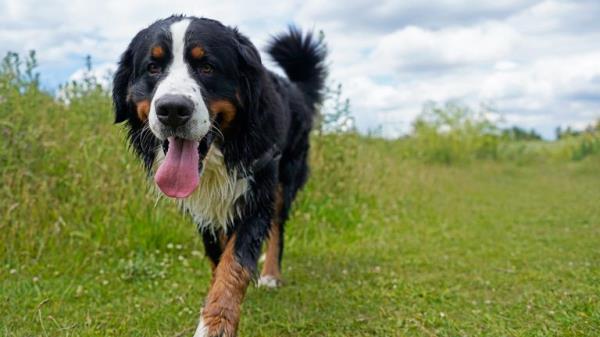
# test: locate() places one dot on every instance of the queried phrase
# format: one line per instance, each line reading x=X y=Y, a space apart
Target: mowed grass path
x=376 y=246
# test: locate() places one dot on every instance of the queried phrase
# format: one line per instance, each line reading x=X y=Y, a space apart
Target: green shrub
x=453 y=133
x=579 y=146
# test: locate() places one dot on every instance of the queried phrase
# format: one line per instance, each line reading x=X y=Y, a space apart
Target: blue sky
x=536 y=62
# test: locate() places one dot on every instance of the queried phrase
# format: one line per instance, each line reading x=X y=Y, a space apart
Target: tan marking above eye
x=197 y=52
x=158 y=52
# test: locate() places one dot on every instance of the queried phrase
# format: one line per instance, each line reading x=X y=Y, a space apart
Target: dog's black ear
x=249 y=55
x=251 y=69
x=121 y=82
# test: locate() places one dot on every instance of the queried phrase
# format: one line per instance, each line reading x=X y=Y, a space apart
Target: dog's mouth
x=179 y=173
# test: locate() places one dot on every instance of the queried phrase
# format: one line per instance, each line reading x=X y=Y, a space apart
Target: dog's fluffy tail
x=302 y=57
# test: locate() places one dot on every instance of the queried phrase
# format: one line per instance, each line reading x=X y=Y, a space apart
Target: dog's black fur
x=269 y=136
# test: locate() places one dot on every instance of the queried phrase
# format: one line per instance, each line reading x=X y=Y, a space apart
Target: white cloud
x=537 y=61
x=414 y=47
x=536 y=76
x=101 y=73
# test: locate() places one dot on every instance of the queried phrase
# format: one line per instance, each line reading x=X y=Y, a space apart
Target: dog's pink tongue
x=178 y=175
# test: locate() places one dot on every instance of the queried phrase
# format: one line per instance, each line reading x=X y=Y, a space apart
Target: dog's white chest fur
x=219 y=196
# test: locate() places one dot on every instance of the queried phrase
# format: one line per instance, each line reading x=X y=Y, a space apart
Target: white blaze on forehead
x=178 y=81
x=178 y=30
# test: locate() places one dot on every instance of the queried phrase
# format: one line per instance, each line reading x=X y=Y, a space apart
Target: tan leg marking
x=221 y=313
x=271 y=273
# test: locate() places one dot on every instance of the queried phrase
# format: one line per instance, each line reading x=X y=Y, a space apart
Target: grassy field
x=378 y=245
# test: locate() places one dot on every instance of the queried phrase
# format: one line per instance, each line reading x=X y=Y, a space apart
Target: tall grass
x=55 y=152
x=454 y=133
x=50 y=147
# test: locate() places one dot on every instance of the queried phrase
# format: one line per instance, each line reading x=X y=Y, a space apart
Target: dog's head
x=187 y=79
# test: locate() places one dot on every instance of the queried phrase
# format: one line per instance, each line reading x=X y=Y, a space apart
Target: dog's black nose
x=174 y=110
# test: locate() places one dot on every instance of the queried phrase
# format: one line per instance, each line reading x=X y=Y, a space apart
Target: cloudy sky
x=536 y=62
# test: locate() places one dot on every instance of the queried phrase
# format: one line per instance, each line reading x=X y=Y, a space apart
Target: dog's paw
x=218 y=321
x=201 y=330
x=269 y=281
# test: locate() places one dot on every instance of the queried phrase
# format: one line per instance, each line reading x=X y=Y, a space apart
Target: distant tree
x=566 y=133
x=594 y=127
x=518 y=133
x=454 y=132
x=558 y=132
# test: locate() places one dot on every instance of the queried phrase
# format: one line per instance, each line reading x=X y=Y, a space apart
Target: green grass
x=378 y=245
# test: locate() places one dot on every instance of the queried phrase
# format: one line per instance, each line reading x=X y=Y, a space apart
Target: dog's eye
x=205 y=69
x=153 y=68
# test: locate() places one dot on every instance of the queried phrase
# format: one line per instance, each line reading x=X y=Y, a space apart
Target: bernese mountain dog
x=224 y=137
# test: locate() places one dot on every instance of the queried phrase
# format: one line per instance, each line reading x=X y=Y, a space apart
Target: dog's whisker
x=217 y=130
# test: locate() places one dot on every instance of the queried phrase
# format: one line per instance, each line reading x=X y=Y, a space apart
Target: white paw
x=201 y=330
x=268 y=281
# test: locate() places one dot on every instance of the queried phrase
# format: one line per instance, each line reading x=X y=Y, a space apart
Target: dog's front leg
x=235 y=270
x=237 y=264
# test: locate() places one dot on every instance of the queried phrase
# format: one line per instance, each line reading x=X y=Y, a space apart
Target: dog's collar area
x=272 y=154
